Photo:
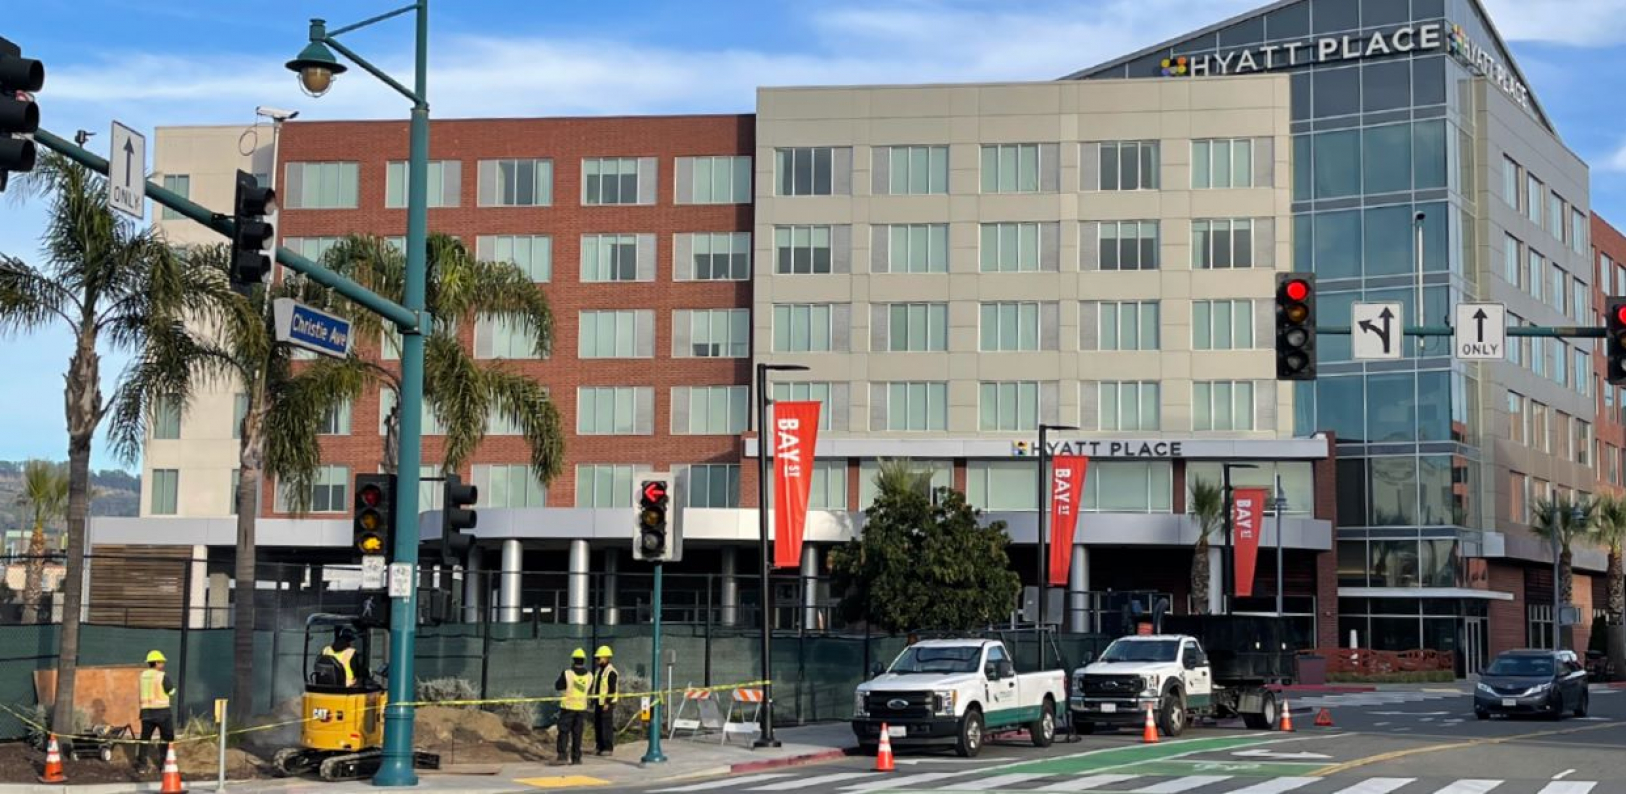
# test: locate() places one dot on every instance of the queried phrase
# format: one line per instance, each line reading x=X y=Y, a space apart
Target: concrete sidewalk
x=686 y=758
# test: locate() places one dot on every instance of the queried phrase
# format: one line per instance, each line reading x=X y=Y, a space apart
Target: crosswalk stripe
x=1182 y=784
x=1470 y=787
x=1089 y=783
x=728 y=782
x=1568 y=787
x=812 y=782
x=1377 y=785
x=1277 y=785
x=889 y=783
x=997 y=781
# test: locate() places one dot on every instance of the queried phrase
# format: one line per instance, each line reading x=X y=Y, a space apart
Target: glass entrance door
x=1475 y=646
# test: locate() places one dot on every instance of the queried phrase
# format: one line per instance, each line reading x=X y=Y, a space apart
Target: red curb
x=795 y=760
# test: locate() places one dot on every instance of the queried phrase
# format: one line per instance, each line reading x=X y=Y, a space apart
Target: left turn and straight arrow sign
x=1377 y=331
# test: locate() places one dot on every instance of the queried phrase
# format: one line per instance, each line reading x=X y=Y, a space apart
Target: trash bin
x=1312 y=669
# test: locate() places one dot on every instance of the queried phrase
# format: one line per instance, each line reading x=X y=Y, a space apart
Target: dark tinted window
x=1337 y=91
x=1301 y=94
x=1391 y=401
x=1248 y=31
x=1384 y=12
x=1430 y=153
x=1389 y=242
x=1427 y=9
x=1386 y=151
x=1386 y=85
x=1289 y=22
x=1338 y=245
x=1331 y=16
x=1428 y=81
x=1337 y=165
x=1338 y=406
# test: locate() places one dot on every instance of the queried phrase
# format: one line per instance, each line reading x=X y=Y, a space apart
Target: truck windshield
x=1142 y=651
x=937 y=660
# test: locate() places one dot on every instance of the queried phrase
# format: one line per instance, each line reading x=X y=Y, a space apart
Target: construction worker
x=606 y=685
x=156 y=716
x=575 y=682
x=343 y=653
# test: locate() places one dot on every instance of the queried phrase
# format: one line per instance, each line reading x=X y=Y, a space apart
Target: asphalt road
x=1418 y=741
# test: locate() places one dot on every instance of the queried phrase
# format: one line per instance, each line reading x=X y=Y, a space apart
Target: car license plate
x=1507 y=703
x=1109 y=708
x=897 y=731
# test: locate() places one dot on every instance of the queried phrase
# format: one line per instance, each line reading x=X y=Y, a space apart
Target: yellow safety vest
x=576 y=686
x=153 y=695
x=343 y=658
x=601 y=680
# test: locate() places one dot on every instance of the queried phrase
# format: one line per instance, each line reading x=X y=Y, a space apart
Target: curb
x=795 y=760
x=1326 y=689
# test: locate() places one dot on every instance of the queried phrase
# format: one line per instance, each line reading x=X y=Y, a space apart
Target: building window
x=1512 y=256
x=1010 y=247
x=1128 y=405
x=941 y=473
x=1578 y=232
x=516 y=183
x=916 y=170
x=821 y=393
x=710 y=410
x=1297 y=478
x=1012 y=168
x=1556 y=209
x=1516 y=345
x=445 y=183
x=1555 y=291
x=1606 y=273
x=1222 y=325
x=1562 y=433
x=916 y=407
x=1534 y=195
x=507 y=485
x=801 y=327
x=1580 y=302
x=1008 y=327
x=1222 y=163
x=166 y=418
x=1519 y=497
x=1517 y=417
x=1583 y=442
x=1001 y=485
x=503 y=337
x=1222 y=405
x=1510 y=182
x=829 y=485
x=319 y=186
x=1581 y=372
x=615 y=410
x=713 y=485
x=1538 y=272
x=714 y=180
x=1126 y=325
x=1008 y=407
x=1540 y=438
x=716 y=333
x=180 y=184
x=805 y=171
x=916 y=248
x=336 y=422
x=231 y=496
x=327 y=494
x=917 y=327
x=312 y=248
x=719 y=256
x=1220 y=244
x=531 y=253
x=239 y=412
x=1129 y=245
x=428 y=423
x=1129 y=165
x=801 y=249
x=610 y=257
x=166 y=489
x=1129 y=487
x=617 y=333
x=604 y=485
x=618 y=180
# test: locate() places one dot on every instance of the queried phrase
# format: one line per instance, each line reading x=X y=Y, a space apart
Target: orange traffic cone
x=1323 y=719
x=883 y=754
x=1149 y=734
x=1287 y=717
x=172 y=775
x=53 y=764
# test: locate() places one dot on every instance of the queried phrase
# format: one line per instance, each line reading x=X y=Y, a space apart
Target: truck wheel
x=970 y=742
x=1171 y=713
x=1265 y=718
x=1043 y=730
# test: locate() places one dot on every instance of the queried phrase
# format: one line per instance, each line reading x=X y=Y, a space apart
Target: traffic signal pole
x=653 y=755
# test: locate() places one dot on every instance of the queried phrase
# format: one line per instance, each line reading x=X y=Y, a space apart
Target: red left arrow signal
x=654 y=491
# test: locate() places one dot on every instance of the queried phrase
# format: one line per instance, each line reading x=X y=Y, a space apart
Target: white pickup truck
x=1174 y=675
x=954 y=692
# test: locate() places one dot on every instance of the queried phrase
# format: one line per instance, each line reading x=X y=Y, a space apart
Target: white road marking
x=1089 y=783
x=1377 y=785
x=1568 y=787
x=997 y=781
x=1180 y=784
x=812 y=782
x=1379 y=724
x=729 y=782
x=1470 y=787
x=1277 y=785
x=1564 y=774
x=905 y=782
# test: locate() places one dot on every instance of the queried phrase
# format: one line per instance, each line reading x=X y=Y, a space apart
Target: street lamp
x=1278 y=504
x=1226 y=572
x=1042 y=541
x=316 y=67
x=765 y=736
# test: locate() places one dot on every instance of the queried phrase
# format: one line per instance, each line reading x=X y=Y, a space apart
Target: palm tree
x=45 y=496
x=1208 y=508
x=107 y=281
x=1570 y=521
x=1611 y=532
x=898 y=475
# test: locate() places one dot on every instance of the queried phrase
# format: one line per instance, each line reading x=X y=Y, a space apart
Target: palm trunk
x=1566 y=576
x=251 y=467
x=1617 y=612
x=33 y=586
x=84 y=413
x=392 y=440
x=1200 y=574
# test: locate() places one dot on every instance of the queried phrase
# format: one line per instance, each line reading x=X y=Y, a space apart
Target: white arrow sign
x=127 y=172
x=1376 y=331
x=1481 y=332
x=1280 y=756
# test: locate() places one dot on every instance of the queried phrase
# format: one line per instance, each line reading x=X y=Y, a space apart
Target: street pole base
x=762 y=743
x=655 y=757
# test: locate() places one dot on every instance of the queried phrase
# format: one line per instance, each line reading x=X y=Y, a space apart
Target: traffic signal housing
x=1614 y=325
x=374 y=514
x=455 y=517
x=19 y=115
x=654 y=536
x=1295 y=326
x=250 y=205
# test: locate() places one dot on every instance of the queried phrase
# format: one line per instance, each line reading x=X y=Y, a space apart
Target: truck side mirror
x=991 y=671
x=876 y=670
x=1006 y=669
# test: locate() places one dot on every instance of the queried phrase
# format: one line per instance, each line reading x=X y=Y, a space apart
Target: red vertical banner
x=1247 y=524
x=1066 y=490
x=794 y=438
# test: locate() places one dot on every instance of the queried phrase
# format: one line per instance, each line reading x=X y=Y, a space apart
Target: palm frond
x=1571 y=519
x=523 y=403
x=1611 y=522
x=1207 y=507
x=164 y=375
x=294 y=416
x=455 y=390
x=29 y=299
x=44 y=491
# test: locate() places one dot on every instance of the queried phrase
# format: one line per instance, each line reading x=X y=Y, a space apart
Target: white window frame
x=1112 y=327
x=998 y=242
x=329 y=480
x=1009 y=165
x=1112 y=236
x=1238 y=333
x=904 y=241
x=1113 y=412
x=934 y=413
x=1146 y=178
x=1237 y=173
x=593 y=170
x=736 y=332
x=1205 y=249
x=507 y=338
x=396 y=182
x=700 y=481
x=602 y=258
x=816 y=317
x=1211 y=392
x=494 y=189
x=512 y=248
x=903 y=163
x=487 y=476
x=735 y=249
x=1021 y=321
x=344 y=176
x=616 y=493
x=624 y=417
x=704 y=418
x=788 y=182
x=165 y=496
x=737 y=182
x=336 y=422
x=906 y=321
x=790 y=241
x=1009 y=406
x=816 y=391
x=638 y=324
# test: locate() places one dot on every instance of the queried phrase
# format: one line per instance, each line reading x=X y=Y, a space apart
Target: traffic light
x=456 y=516
x=250 y=205
x=1614 y=323
x=1295 y=326
x=375 y=513
x=655 y=538
x=19 y=115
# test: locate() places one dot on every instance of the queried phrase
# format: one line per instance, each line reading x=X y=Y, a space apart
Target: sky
x=151 y=63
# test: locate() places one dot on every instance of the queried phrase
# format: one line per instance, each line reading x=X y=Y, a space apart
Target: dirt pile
x=471 y=736
x=202 y=759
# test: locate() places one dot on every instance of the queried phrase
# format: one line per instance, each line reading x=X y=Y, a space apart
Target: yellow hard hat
x=579 y=654
x=155 y=656
x=603 y=652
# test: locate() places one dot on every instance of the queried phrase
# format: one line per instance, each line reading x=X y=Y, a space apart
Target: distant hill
x=115 y=493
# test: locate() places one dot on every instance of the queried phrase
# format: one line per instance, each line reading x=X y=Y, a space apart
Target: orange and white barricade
x=697 y=713
x=744 y=702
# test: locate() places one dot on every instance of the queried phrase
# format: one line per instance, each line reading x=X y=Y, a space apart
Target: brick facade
x=1507 y=618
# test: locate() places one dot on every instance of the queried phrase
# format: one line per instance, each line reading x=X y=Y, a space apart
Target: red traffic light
x=371 y=495
x=1297 y=289
x=654 y=491
x=1620 y=314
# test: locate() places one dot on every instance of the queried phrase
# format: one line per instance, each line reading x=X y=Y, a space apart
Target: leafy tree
x=1611 y=532
x=113 y=283
x=920 y=565
x=1208 y=508
x=1571 y=521
x=45 y=496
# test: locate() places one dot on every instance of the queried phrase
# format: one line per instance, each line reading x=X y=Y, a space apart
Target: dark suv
x=1545 y=683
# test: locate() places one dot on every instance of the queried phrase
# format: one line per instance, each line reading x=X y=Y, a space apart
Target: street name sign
x=1376 y=332
x=1481 y=332
x=315 y=330
x=127 y=172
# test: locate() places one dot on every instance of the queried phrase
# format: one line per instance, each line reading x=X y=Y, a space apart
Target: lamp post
x=1278 y=504
x=1227 y=585
x=1042 y=540
x=317 y=67
x=765 y=735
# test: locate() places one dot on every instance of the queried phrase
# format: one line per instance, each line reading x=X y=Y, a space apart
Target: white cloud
x=1576 y=23
x=1614 y=161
